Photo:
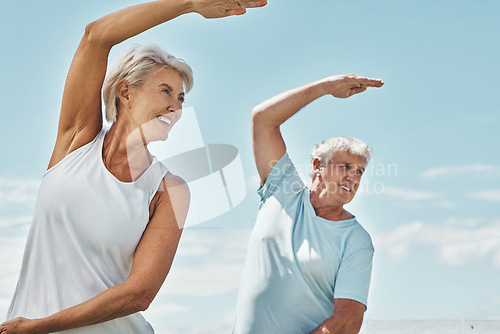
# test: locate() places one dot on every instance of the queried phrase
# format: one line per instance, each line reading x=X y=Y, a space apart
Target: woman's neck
x=125 y=151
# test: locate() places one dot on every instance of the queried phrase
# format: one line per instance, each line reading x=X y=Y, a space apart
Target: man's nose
x=353 y=174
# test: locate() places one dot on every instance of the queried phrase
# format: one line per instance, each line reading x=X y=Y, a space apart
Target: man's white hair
x=325 y=150
x=134 y=67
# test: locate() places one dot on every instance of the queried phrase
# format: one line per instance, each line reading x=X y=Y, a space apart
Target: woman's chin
x=163 y=138
x=159 y=136
x=154 y=132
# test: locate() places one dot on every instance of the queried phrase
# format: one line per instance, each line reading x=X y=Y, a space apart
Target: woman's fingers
x=237 y=11
x=223 y=8
x=239 y=7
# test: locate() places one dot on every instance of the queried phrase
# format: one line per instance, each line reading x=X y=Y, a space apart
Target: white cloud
x=409 y=194
x=14 y=222
x=491 y=195
x=436 y=172
x=195 y=327
x=429 y=326
x=457 y=242
x=18 y=191
x=415 y=198
x=396 y=243
x=157 y=310
x=208 y=258
x=11 y=253
x=445 y=204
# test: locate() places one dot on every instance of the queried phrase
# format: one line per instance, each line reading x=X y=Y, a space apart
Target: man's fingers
x=356 y=81
x=252 y=3
x=368 y=82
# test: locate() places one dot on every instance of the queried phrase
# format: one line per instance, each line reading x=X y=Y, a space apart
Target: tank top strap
x=154 y=175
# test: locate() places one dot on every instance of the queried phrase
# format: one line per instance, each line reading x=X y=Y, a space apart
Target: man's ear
x=123 y=92
x=316 y=164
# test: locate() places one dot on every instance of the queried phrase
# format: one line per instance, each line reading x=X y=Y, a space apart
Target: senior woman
x=109 y=216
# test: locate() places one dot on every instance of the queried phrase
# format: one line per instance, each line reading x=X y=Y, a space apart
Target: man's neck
x=327 y=211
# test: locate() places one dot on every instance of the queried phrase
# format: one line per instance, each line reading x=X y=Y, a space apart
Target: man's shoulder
x=359 y=237
x=283 y=181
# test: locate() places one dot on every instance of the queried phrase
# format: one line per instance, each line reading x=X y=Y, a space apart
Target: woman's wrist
x=40 y=326
x=187 y=6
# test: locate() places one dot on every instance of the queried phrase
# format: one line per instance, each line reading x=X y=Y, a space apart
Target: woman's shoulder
x=174 y=182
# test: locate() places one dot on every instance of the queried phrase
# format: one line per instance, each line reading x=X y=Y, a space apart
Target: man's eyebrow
x=348 y=164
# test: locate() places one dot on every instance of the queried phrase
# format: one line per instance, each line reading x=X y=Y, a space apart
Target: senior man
x=309 y=261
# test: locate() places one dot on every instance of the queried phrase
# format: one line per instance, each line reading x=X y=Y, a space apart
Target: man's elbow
x=353 y=325
x=261 y=118
x=256 y=114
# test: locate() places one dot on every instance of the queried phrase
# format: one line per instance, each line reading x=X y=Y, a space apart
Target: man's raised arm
x=268 y=144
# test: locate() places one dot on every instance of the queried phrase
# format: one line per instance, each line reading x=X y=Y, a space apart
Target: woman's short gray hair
x=134 y=67
x=325 y=150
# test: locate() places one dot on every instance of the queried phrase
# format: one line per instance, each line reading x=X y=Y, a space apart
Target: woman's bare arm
x=81 y=115
x=152 y=261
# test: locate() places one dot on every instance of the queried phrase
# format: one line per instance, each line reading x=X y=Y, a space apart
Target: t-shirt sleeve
x=283 y=178
x=354 y=274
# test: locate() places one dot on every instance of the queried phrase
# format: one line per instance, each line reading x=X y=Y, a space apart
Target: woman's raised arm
x=81 y=114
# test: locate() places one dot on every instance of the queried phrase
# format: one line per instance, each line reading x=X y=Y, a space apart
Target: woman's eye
x=182 y=99
x=166 y=91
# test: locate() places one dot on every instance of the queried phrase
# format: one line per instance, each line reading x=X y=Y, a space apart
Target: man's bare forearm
x=275 y=111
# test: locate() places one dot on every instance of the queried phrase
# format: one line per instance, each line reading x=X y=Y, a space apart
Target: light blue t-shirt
x=297 y=262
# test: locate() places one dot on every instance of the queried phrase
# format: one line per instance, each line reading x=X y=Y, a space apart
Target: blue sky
x=430 y=198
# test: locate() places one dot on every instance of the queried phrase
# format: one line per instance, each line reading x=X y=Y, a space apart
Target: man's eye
x=166 y=91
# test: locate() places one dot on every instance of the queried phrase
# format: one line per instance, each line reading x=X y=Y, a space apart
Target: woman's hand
x=19 y=326
x=211 y=9
x=345 y=85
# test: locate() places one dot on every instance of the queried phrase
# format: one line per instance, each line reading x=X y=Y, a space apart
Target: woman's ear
x=123 y=92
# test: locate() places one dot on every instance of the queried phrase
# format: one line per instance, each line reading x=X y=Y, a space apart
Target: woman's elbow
x=94 y=35
x=141 y=302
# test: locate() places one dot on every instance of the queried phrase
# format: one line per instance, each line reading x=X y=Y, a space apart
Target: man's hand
x=211 y=9
x=345 y=85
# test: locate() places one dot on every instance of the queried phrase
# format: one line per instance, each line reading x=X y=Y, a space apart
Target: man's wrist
x=325 y=330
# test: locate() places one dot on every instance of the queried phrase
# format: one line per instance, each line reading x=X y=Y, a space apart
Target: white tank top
x=86 y=227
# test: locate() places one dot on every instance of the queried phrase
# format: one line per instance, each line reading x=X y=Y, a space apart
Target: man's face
x=340 y=178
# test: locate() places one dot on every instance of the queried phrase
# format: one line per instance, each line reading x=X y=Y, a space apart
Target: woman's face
x=156 y=105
